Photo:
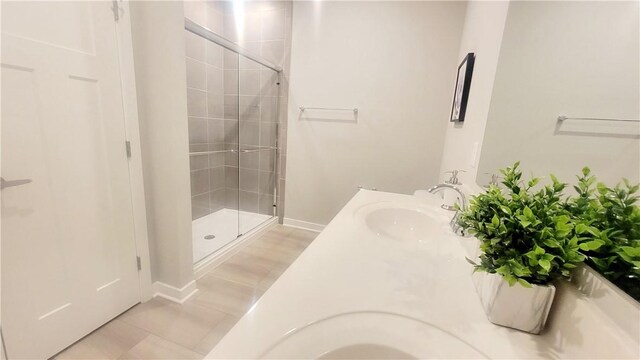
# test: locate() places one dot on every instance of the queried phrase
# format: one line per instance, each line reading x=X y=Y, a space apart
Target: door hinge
x=128 y=146
x=116 y=10
x=139 y=262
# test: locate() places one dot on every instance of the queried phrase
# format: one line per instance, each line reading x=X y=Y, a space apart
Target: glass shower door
x=257 y=135
x=212 y=93
x=233 y=129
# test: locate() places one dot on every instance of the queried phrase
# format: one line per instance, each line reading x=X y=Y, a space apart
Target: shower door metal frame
x=213 y=37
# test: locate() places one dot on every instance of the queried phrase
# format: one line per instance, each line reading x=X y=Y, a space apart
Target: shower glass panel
x=212 y=78
x=232 y=105
x=258 y=106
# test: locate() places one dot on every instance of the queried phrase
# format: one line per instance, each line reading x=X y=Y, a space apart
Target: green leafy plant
x=608 y=223
x=527 y=236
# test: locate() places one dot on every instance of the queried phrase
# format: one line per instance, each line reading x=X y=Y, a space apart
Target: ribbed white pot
x=514 y=306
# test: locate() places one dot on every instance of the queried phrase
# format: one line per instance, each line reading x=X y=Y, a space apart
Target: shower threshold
x=214 y=231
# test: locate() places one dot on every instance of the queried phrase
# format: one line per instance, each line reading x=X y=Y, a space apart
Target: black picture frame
x=461 y=91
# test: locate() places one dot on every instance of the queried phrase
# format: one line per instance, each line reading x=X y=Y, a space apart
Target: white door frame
x=132 y=129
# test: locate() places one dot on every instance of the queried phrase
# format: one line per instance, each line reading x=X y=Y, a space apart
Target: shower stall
x=232 y=97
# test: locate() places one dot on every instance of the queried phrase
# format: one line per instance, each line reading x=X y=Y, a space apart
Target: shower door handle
x=10 y=183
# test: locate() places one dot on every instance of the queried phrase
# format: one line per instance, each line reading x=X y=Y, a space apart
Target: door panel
x=257 y=140
x=48 y=23
x=68 y=251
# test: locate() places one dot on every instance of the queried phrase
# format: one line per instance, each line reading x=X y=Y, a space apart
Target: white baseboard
x=173 y=293
x=210 y=262
x=305 y=225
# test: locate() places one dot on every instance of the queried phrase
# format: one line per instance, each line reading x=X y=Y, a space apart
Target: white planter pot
x=514 y=306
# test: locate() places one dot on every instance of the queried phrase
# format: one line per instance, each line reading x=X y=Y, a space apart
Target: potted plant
x=527 y=240
x=608 y=223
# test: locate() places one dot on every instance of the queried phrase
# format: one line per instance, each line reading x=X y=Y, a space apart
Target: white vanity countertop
x=350 y=269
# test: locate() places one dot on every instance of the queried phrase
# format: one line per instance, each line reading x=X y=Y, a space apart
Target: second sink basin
x=399 y=221
x=400 y=224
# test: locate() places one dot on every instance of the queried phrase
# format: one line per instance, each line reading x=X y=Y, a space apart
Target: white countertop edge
x=347 y=269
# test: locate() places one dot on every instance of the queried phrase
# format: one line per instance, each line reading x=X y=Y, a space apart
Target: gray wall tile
x=194 y=46
x=230 y=78
x=248 y=201
x=269 y=109
x=231 y=107
x=252 y=27
x=199 y=182
x=249 y=180
x=268 y=133
x=216 y=147
x=249 y=108
x=196 y=103
x=267 y=160
x=246 y=63
x=198 y=162
x=231 y=199
x=215 y=80
x=250 y=160
x=231 y=131
x=200 y=206
x=267 y=183
x=231 y=159
x=198 y=147
x=215 y=55
x=249 y=133
x=230 y=59
x=273 y=25
x=215 y=105
x=249 y=82
x=266 y=204
x=231 y=177
x=217 y=178
x=216 y=160
x=215 y=131
x=217 y=199
x=269 y=82
x=196 y=74
x=197 y=130
x=273 y=51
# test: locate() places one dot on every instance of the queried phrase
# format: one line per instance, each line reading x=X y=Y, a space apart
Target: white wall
x=482 y=35
x=158 y=43
x=574 y=58
x=396 y=62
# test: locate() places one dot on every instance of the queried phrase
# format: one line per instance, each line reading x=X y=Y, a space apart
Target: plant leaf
x=591 y=245
x=524 y=283
x=528 y=214
x=545 y=264
x=631 y=251
x=470 y=261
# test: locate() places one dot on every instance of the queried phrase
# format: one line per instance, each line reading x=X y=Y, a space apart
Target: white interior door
x=68 y=249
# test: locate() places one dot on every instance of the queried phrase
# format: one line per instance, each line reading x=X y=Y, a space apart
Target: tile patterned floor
x=160 y=329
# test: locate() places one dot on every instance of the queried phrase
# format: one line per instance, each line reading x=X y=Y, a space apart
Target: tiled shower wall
x=205 y=108
x=237 y=96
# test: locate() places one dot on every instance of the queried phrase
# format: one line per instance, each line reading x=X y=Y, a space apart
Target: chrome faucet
x=457 y=229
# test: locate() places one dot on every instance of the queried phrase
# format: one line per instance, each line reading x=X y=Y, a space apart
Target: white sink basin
x=370 y=335
x=367 y=351
x=404 y=222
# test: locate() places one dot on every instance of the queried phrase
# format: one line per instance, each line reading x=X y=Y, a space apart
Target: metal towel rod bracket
x=303 y=108
x=564 y=117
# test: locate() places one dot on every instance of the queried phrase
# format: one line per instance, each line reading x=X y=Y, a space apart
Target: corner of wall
x=161 y=83
x=482 y=35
